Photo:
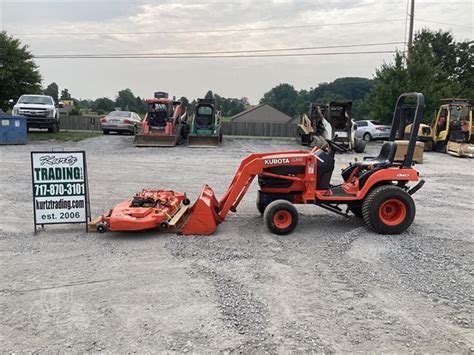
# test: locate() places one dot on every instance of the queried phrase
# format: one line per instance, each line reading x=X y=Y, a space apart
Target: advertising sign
x=60 y=193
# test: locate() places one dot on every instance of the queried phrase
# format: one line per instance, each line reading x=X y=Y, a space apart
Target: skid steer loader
x=164 y=124
x=332 y=121
x=311 y=125
x=375 y=189
x=206 y=125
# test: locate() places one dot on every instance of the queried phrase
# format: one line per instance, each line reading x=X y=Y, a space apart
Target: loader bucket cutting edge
x=203 y=217
x=151 y=140
x=203 y=141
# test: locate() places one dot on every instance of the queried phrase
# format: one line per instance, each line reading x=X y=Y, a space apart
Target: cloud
x=229 y=77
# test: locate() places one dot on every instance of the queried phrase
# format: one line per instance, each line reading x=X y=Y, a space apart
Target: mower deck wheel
x=101 y=228
x=388 y=210
x=281 y=217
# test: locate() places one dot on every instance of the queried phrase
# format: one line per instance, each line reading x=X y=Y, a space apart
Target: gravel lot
x=331 y=286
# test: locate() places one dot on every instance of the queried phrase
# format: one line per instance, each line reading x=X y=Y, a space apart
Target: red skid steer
x=164 y=124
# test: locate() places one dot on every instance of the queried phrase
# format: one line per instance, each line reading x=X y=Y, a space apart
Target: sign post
x=60 y=190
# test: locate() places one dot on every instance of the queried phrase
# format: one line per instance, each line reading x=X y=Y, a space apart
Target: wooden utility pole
x=410 y=31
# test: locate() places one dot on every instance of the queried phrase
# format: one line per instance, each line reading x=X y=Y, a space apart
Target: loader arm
x=208 y=212
x=248 y=169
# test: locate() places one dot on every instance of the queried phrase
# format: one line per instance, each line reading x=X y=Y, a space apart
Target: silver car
x=369 y=130
x=121 y=121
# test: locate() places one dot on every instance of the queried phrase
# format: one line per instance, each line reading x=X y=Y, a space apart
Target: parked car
x=40 y=111
x=121 y=121
x=369 y=130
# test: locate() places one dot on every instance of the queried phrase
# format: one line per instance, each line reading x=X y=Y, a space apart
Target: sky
x=185 y=26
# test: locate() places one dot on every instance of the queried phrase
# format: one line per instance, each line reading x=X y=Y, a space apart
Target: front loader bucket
x=155 y=140
x=196 y=141
x=203 y=217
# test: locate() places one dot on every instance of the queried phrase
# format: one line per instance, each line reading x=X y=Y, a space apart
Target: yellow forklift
x=451 y=131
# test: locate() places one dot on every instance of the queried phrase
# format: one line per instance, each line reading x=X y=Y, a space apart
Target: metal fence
x=256 y=129
x=259 y=129
x=80 y=123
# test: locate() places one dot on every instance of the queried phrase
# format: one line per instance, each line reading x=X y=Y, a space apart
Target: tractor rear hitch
x=416 y=187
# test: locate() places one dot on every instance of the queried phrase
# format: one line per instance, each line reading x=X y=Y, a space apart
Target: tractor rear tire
x=281 y=217
x=388 y=210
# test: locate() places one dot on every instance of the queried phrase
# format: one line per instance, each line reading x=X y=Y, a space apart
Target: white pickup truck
x=40 y=111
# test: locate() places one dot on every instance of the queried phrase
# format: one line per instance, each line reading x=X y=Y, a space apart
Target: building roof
x=262 y=113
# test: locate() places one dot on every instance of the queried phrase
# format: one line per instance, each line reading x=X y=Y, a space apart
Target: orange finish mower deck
x=148 y=209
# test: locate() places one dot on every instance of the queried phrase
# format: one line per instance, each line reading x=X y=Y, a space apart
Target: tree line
x=438 y=66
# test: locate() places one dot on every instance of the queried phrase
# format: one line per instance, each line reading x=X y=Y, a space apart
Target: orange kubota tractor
x=375 y=189
x=164 y=124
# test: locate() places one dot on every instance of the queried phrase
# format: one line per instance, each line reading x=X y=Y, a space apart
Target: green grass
x=63 y=136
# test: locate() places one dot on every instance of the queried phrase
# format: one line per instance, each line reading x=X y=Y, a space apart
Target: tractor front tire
x=281 y=217
x=388 y=210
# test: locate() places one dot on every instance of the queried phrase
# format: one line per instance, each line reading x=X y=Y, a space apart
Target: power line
x=443 y=23
x=218 y=56
x=204 y=31
x=215 y=52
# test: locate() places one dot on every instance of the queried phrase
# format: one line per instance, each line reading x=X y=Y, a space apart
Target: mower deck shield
x=203 y=217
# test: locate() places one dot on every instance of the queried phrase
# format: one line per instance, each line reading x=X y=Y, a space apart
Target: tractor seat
x=384 y=159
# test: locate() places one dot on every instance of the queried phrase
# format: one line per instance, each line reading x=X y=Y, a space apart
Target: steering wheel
x=336 y=146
